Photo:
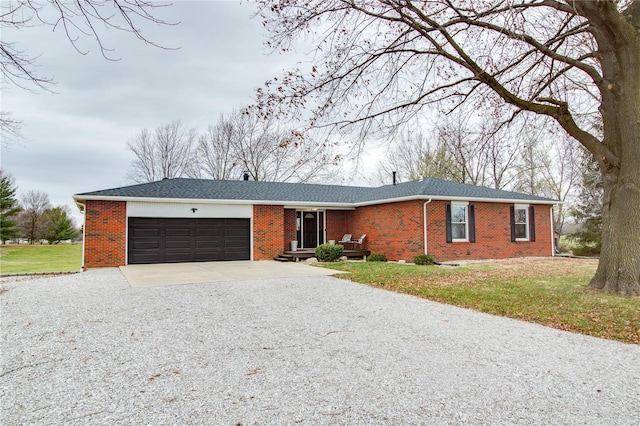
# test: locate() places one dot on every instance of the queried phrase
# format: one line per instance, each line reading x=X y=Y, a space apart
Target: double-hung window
x=459 y=222
x=521 y=222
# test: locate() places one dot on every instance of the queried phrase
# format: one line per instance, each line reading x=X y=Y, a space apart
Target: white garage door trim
x=186 y=210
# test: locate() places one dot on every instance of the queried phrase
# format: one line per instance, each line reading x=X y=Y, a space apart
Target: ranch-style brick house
x=187 y=220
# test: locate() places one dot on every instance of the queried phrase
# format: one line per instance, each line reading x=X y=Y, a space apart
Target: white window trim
x=464 y=204
x=526 y=224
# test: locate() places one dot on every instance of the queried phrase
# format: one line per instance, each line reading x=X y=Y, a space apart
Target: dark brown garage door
x=166 y=240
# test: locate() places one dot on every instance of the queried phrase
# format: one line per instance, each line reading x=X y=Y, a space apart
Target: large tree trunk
x=619 y=267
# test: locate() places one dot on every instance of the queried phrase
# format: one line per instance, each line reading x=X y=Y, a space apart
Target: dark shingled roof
x=204 y=189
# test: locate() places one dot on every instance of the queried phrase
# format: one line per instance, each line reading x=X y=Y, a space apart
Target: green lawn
x=549 y=291
x=25 y=258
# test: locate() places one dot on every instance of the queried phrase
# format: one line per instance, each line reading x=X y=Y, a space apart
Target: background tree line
x=32 y=217
x=237 y=143
x=475 y=149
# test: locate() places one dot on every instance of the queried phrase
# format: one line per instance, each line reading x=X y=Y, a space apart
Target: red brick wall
x=268 y=231
x=493 y=234
x=337 y=224
x=396 y=230
x=290 y=228
x=105 y=234
x=393 y=229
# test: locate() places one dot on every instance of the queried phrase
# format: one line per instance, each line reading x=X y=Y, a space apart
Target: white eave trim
x=286 y=204
x=449 y=198
x=307 y=204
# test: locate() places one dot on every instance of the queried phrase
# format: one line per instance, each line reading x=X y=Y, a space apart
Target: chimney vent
x=394 y=178
x=245 y=176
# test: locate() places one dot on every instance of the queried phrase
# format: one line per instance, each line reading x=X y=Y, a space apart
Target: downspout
x=553 y=232
x=83 y=211
x=424 y=209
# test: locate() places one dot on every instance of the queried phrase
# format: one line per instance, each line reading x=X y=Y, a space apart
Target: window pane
x=458 y=214
x=521 y=216
x=521 y=231
x=458 y=231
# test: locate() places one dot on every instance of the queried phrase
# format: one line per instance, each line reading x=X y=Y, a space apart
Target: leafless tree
x=471 y=148
x=414 y=156
x=79 y=20
x=467 y=149
x=532 y=159
x=31 y=219
x=168 y=152
x=379 y=63
x=216 y=159
x=243 y=142
x=562 y=176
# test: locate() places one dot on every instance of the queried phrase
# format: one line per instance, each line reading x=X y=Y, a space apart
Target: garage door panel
x=217 y=243
x=149 y=256
x=145 y=244
x=160 y=240
x=236 y=232
x=234 y=243
x=182 y=231
x=209 y=232
x=145 y=232
x=148 y=221
x=177 y=244
x=176 y=256
x=211 y=255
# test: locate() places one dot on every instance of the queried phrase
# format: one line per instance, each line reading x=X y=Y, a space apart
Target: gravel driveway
x=90 y=349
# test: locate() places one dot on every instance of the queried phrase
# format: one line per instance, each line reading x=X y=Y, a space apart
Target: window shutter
x=532 y=224
x=513 y=223
x=448 y=214
x=472 y=223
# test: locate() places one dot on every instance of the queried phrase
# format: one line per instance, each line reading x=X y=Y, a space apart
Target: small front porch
x=294 y=256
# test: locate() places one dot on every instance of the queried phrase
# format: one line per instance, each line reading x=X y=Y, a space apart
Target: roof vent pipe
x=245 y=176
x=394 y=178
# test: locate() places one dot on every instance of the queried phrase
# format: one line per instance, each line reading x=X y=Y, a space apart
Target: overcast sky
x=74 y=139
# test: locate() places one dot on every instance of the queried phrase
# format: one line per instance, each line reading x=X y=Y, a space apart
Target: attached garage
x=168 y=240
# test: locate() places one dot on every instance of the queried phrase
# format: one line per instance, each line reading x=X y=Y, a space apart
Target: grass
x=551 y=292
x=26 y=259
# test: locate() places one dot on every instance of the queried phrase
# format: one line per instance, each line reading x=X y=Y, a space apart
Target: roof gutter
x=287 y=204
x=303 y=204
x=450 y=198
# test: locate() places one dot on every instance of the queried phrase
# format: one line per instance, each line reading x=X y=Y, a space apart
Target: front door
x=309 y=229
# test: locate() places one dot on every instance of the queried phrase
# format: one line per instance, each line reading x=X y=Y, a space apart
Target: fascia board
x=446 y=198
x=287 y=204
x=309 y=204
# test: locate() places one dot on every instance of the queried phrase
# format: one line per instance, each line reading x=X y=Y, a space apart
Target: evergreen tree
x=9 y=208
x=58 y=226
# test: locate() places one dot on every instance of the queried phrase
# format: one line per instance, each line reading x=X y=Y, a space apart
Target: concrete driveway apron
x=202 y=272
